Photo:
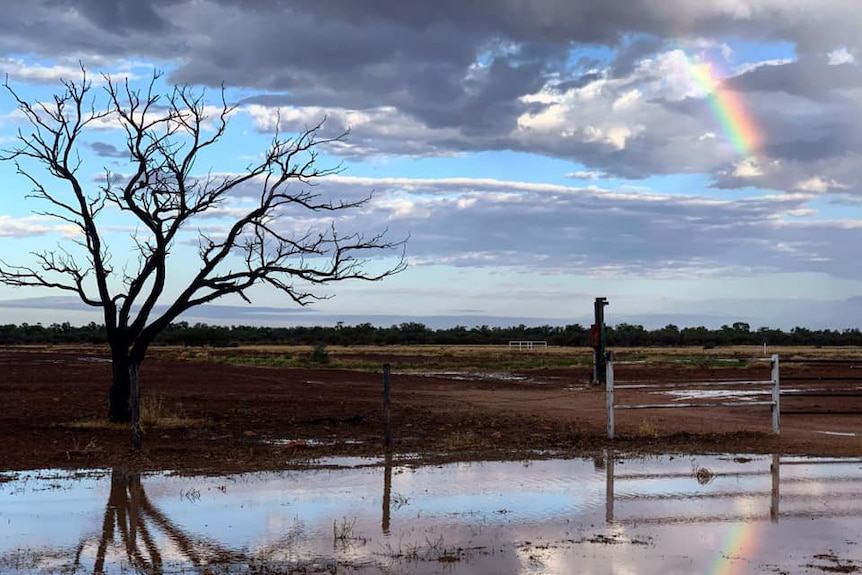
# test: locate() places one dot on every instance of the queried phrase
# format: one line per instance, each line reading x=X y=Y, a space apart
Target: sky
x=696 y=163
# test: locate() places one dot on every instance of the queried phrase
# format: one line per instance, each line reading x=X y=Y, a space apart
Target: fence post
x=387 y=423
x=776 y=396
x=609 y=393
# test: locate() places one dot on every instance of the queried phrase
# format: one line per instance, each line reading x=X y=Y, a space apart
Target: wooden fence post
x=387 y=423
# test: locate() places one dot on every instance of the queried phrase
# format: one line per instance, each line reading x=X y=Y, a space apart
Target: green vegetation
x=319 y=355
x=412 y=333
x=487 y=359
x=402 y=359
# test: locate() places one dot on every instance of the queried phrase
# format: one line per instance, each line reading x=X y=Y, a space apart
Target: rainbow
x=741 y=544
x=728 y=107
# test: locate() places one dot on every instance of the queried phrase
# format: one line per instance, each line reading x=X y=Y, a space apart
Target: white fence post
x=528 y=344
x=776 y=396
x=609 y=393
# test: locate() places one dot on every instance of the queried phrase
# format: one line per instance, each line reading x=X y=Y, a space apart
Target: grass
x=344 y=531
x=648 y=428
x=425 y=358
x=402 y=358
x=435 y=358
x=156 y=413
x=343 y=534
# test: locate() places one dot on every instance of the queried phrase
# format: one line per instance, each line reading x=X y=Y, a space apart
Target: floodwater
x=610 y=515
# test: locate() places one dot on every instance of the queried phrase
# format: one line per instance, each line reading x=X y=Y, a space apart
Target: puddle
x=312 y=442
x=477 y=376
x=612 y=514
x=93 y=359
x=690 y=394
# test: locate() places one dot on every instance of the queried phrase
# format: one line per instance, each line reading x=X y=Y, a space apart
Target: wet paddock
x=614 y=514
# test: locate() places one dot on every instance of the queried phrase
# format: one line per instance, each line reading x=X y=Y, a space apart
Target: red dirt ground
x=256 y=418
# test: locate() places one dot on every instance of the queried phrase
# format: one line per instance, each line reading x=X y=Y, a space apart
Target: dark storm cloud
x=108 y=150
x=91 y=30
x=461 y=69
x=426 y=73
x=557 y=21
x=632 y=53
x=120 y=16
x=809 y=78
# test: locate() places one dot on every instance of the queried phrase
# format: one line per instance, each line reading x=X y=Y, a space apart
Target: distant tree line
x=413 y=333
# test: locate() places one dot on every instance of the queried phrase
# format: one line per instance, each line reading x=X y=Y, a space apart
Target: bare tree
x=162 y=195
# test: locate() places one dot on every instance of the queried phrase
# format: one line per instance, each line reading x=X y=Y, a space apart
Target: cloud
x=107 y=150
x=18 y=70
x=585 y=175
x=450 y=77
x=32 y=226
x=841 y=56
x=819 y=185
x=591 y=231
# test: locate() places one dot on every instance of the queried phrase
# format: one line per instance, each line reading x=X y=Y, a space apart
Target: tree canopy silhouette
x=163 y=200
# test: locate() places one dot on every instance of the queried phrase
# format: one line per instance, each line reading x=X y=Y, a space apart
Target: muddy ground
x=228 y=418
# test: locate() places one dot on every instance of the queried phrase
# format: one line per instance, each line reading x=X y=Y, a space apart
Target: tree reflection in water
x=130 y=515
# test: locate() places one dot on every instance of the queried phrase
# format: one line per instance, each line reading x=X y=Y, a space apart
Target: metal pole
x=776 y=396
x=609 y=393
x=595 y=379
x=599 y=340
x=387 y=423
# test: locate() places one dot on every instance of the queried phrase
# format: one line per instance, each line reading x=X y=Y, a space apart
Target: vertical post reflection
x=387 y=411
x=387 y=493
x=775 y=468
x=609 y=485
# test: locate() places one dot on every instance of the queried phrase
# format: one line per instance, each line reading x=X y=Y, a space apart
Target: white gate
x=774 y=402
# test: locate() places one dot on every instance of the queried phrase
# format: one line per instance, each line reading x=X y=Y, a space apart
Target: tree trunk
x=135 y=407
x=124 y=396
x=120 y=393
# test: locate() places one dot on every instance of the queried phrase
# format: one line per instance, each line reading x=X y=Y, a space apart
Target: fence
x=836 y=383
x=774 y=402
x=795 y=487
x=527 y=344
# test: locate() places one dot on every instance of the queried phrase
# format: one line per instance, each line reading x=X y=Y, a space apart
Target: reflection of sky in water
x=685 y=514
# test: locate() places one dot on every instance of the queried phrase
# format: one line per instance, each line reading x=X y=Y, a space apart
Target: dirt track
x=251 y=418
